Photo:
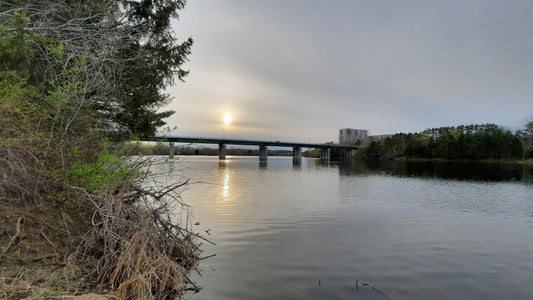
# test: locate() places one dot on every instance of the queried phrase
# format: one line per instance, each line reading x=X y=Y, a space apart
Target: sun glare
x=227 y=119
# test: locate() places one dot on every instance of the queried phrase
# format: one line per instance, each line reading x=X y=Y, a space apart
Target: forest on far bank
x=465 y=142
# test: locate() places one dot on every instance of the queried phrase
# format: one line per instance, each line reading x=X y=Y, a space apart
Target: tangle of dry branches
x=136 y=246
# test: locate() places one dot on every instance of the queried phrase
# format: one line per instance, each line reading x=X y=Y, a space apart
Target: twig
x=201 y=237
x=160 y=194
x=196 y=288
x=49 y=241
x=14 y=238
x=44 y=257
x=206 y=257
x=380 y=292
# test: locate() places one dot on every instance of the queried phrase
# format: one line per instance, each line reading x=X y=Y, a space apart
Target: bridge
x=263 y=146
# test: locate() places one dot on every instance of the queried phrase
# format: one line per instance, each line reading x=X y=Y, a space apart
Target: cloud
x=308 y=68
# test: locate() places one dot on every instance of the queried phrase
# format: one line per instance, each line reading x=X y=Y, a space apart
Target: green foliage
x=102 y=175
x=112 y=57
x=486 y=141
x=58 y=50
x=314 y=153
x=54 y=284
x=14 y=43
x=526 y=136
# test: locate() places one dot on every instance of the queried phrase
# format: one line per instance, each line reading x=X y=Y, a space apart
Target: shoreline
x=492 y=161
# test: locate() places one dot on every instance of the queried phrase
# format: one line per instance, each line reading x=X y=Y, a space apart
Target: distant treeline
x=471 y=142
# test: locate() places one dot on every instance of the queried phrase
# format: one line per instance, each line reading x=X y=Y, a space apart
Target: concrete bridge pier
x=221 y=151
x=263 y=153
x=296 y=156
x=325 y=155
x=172 y=149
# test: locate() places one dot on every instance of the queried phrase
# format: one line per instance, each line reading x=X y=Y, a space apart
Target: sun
x=227 y=119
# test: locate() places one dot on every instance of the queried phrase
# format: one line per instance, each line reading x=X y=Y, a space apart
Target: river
x=387 y=230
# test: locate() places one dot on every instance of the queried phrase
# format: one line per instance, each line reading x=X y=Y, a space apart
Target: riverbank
x=112 y=242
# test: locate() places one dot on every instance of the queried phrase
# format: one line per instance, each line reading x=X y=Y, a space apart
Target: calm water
x=359 y=231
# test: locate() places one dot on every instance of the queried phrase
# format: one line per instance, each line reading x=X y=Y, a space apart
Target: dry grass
x=129 y=243
x=136 y=246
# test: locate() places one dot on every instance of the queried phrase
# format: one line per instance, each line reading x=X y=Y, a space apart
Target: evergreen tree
x=122 y=53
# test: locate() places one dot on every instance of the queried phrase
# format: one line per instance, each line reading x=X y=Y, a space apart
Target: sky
x=296 y=70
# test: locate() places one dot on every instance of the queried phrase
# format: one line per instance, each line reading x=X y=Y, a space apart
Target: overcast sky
x=301 y=70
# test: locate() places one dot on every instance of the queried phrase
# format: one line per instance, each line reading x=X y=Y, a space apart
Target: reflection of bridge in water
x=263 y=146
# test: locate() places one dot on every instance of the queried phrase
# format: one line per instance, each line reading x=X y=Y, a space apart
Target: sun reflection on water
x=225 y=187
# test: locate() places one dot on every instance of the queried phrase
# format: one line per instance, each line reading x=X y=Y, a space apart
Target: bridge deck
x=199 y=140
